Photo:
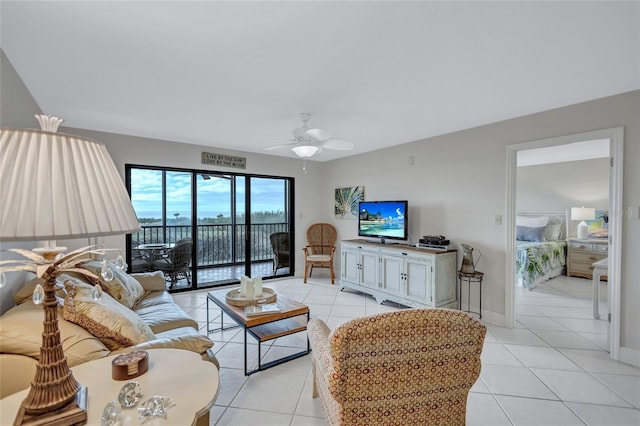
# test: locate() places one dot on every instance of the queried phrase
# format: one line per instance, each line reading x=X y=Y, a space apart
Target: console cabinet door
x=369 y=268
x=350 y=268
x=419 y=280
x=392 y=274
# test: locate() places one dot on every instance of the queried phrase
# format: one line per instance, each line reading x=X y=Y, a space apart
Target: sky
x=213 y=194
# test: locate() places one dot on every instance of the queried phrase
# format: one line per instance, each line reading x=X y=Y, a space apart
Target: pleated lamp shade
x=58 y=186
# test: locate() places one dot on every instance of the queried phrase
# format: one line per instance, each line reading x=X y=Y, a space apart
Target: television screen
x=383 y=219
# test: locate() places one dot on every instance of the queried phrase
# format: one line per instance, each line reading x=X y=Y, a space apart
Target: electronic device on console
x=439 y=240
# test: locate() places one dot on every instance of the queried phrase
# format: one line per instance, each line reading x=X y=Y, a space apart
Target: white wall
x=457 y=185
x=557 y=186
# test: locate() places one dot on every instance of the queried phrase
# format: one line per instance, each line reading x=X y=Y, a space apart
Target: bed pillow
x=114 y=324
x=552 y=232
x=532 y=222
x=526 y=233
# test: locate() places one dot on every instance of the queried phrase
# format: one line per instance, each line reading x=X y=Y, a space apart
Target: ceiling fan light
x=305 y=151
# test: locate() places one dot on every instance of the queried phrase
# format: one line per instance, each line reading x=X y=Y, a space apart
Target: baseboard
x=630 y=356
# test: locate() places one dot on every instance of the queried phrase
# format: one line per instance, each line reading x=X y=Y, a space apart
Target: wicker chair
x=407 y=367
x=280 y=247
x=321 y=238
x=176 y=264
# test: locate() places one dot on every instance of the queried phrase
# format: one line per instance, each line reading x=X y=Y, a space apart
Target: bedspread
x=536 y=262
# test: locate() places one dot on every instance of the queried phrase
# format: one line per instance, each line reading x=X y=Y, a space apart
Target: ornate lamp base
x=74 y=413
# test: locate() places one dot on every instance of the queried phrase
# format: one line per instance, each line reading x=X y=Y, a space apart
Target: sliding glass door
x=237 y=224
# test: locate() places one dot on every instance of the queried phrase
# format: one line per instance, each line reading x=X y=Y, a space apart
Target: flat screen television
x=383 y=219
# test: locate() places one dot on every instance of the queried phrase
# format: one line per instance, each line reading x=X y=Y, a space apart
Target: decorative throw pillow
x=123 y=287
x=525 y=233
x=552 y=232
x=111 y=322
x=532 y=222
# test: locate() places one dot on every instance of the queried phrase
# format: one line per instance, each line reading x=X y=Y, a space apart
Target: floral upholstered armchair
x=408 y=367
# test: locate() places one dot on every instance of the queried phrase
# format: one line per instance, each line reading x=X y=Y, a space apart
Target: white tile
x=577 y=386
x=348 y=311
x=565 y=312
x=479 y=387
x=483 y=410
x=231 y=381
x=244 y=417
x=307 y=405
x=584 y=325
x=497 y=353
x=516 y=336
x=602 y=415
x=628 y=387
x=565 y=339
x=540 y=323
x=535 y=412
x=270 y=390
x=599 y=362
x=511 y=380
x=542 y=357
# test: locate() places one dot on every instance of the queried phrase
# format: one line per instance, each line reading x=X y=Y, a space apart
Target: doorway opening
x=615 y=136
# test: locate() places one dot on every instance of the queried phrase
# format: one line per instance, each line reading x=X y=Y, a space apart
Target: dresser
x=581 y=254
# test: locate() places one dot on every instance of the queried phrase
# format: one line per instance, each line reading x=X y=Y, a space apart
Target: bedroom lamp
x=582 y=213
x=57 y=186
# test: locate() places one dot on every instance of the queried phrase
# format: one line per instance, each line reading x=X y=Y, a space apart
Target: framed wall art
x=346 y=202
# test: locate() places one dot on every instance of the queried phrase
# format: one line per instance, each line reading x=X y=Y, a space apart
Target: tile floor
x=552 y=369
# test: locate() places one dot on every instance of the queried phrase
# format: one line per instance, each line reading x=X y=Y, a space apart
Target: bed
x=541 y=251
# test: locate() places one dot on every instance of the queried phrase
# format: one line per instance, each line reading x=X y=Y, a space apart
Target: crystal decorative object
x=106 y=273
x=111 y=414
x=155 y=407
x=129 y=394
x=120 y=263
x=97 y=292
x=38 y=295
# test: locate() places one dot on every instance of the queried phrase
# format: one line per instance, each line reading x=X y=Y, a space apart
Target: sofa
x=408 y=367
x=134 y=312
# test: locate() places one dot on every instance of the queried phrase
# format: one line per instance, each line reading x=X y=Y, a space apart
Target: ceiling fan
x=309 y=141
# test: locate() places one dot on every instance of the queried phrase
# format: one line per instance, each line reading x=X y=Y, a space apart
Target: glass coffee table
x=291 y=319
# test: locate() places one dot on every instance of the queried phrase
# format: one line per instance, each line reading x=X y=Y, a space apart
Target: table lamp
x=56 y=186
x=582 y=213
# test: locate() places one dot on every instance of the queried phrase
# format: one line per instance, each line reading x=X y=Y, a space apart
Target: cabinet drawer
x=577 y=256
x=601 y=248
x=578 y=245
x=579 y=267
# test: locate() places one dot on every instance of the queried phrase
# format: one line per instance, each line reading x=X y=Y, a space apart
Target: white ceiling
x=237 y=74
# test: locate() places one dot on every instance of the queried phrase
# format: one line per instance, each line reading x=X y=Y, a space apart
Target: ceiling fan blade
x=318 y=134
x=337 y=144
x=286 y=145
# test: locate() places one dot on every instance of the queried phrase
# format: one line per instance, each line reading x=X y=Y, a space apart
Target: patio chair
x=407 y=367
x=176 y=264
x=321 y=238
x=280 y=247
x=139 y=261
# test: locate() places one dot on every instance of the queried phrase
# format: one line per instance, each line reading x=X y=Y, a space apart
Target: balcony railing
x=218 y=244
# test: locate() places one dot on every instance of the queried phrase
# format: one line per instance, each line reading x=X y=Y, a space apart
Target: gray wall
x=458 y=184
x=560 y=186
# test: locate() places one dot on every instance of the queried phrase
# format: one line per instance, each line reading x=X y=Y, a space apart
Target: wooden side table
x=178 y=374
x=473 y=277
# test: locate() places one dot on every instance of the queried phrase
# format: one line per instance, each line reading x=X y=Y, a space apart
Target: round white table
x=177 y=374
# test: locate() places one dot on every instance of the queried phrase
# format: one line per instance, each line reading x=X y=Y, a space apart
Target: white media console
x=408 y=275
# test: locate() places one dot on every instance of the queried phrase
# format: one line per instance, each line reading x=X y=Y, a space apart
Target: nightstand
x=581 y=255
